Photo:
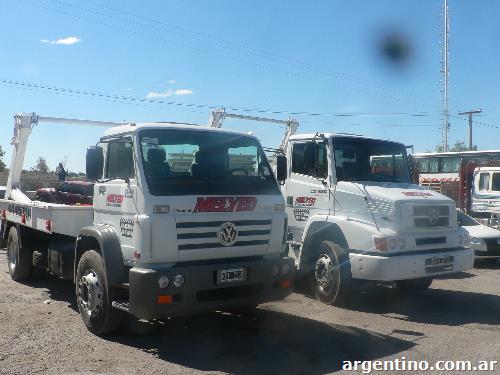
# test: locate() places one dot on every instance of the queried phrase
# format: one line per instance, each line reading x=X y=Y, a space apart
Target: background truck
x=470 y=178
x=177 y=225
x=354 y=213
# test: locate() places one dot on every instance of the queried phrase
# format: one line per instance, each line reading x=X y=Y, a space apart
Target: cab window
x=119 y=160
x=310 y=159
x=484 y=181
x=495 y=182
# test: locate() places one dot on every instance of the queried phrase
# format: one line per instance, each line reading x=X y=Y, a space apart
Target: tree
x=41 y=165
x=458 y=146
x=2 y=164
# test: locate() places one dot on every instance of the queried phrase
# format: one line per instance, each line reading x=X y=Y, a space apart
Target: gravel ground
x=458 y=319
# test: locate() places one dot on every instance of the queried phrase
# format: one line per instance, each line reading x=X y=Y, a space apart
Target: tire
x=18 y=257
x=414 y=285
x=94 y=296
x=332 y=276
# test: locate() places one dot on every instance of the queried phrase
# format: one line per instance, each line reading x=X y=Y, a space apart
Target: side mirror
x=94 y=162
x=281 y=168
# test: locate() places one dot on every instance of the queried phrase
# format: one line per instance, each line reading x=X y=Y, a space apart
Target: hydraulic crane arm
x=218 y=115
x=23 y=124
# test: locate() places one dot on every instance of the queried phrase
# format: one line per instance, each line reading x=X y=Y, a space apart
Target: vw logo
x=227 y=234
x=433 y=216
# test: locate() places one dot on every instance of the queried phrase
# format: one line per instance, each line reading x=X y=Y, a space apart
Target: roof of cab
x=128 y=128
x=338 y=135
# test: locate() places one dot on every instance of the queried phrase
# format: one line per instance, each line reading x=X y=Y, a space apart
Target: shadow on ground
x=434 y=306
x=264 y=342
x=57 y=289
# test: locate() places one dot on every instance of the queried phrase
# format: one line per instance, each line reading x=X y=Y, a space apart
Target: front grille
x=203 y=234
x=426 y=216
x=430 y=240
x=423 y=222
x=228 y=293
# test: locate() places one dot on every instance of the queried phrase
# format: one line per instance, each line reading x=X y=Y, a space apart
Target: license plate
x=439 y=261
x=231 y=275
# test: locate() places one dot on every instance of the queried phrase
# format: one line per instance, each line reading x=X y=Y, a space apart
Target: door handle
x=102 y=190
x=289 y=200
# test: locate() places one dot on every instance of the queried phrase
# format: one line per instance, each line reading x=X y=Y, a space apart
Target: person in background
x=61 y=172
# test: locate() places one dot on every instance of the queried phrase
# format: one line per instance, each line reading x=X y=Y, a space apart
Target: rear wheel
x=332 y=274
x=414 y=285
x=94 y=296
x=19 y=258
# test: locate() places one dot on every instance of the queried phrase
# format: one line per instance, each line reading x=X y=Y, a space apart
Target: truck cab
x=198 y=215
x=354 y=213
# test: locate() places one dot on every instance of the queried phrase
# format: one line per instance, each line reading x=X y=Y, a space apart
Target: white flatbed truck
x=177 y=226
x=354 y=218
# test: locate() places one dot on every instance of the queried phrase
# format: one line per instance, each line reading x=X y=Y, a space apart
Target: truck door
x=306 y=191
x=115 y=198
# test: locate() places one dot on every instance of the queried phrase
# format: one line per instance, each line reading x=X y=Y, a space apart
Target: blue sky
x=270 y=55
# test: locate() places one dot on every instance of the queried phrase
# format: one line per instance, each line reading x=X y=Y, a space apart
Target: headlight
x=476 y=241
x=401 y=243
x=392 y=244
x=276 y=270
x=178 y=280
x=163 y=282
x=285 y=268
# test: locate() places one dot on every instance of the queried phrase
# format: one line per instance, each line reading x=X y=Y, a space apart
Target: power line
x=354 y=85
x=123 y=98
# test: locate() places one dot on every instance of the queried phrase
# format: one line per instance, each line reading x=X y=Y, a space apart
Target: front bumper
x=402 y=266
x=201 y=292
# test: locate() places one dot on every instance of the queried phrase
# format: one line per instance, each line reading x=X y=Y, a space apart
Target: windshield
x=199 y=162
x=358 y=159
x=465 y=220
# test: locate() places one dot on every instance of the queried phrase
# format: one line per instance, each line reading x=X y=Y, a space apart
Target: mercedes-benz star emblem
x=227 y=234
x=433 y=216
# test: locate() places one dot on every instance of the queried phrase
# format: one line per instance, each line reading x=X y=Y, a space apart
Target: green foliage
x=41 y=165
x=458 y=146
x=2 y=163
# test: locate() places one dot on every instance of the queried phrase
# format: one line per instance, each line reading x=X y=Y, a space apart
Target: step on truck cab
x=354 y=213
x=184 y=219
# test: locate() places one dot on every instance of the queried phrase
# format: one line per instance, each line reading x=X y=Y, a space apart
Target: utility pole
x=470 y=113
x=445 y=71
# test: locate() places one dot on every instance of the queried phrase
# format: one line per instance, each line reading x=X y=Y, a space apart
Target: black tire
x=18 y=257
x=332 y=276
x=414 y=285
x=94 y=296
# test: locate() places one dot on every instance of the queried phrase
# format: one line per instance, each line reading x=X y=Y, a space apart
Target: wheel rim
x=12 y=256
x=324 y=273
x=89 y=293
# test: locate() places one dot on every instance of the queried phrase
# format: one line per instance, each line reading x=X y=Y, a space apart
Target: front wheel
x=414 y=285
x=18 y=257
x=94 y=296
x=332 y=274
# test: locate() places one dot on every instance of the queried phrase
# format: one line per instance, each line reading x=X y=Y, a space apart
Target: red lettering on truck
x=225 y=204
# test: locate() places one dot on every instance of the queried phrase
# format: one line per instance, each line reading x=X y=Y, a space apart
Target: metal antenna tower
x=445 y=71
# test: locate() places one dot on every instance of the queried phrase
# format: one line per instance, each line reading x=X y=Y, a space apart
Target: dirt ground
x=458 y=319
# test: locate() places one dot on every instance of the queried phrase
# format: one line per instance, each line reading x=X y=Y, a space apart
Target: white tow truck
x=184 y=219
x=354 y=213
